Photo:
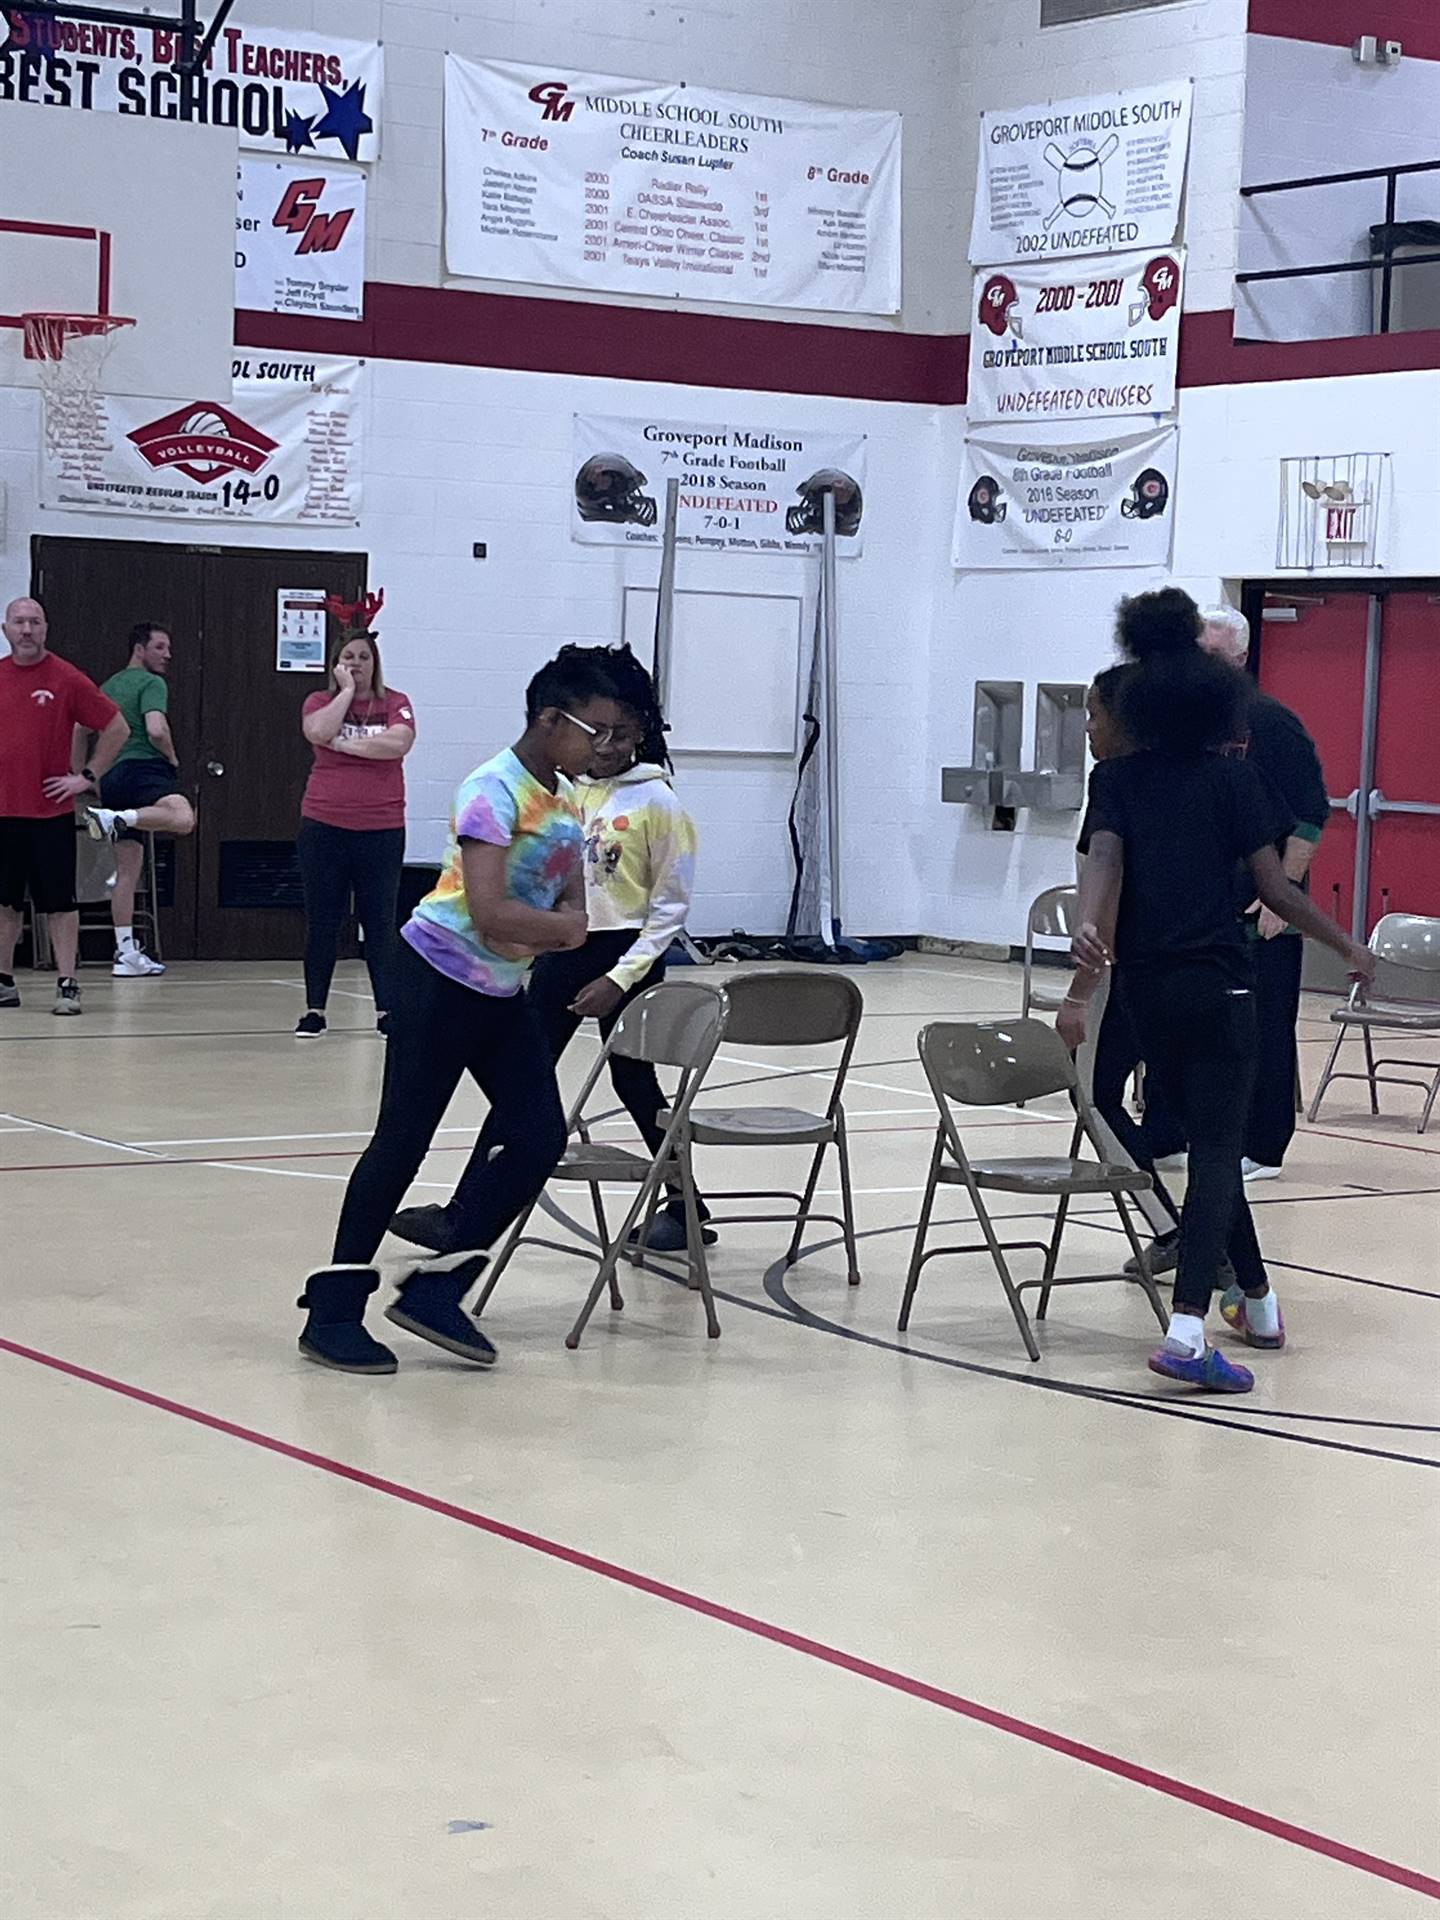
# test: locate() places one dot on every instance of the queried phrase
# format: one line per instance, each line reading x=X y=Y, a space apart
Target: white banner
x=634 y=186
x=1105 y=501
x=284 y=449
x=283 y=90
x=300 y=239
x=743 y=489
x=1082 y=176
x=1076 y=340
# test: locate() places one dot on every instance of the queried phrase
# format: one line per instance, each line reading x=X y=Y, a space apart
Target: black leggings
x=440 y=1030
x=334 y=863
x=555 y=979
x=1197 y=1025
x=1117 y=1054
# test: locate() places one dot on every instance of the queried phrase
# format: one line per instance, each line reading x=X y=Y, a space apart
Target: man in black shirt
x=1284 y=755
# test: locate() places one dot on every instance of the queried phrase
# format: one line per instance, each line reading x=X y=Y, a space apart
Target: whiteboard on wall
x=735 y=668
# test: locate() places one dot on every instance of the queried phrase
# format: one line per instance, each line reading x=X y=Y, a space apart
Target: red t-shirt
x=345 y=791
x=40 y=707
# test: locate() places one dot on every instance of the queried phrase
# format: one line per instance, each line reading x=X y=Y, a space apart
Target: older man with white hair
x=1283 y=753
x=46 y=707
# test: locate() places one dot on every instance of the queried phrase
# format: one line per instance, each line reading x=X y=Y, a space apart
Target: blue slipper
x=1212 y=1371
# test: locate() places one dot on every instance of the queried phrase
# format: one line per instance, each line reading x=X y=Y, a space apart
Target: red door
x=1405 y=795
x=1315 y=665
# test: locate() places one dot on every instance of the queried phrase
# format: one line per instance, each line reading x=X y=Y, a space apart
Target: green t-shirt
x=136 y=691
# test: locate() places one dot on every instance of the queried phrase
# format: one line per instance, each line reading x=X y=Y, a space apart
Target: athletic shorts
x=138 y=783
x=38 y=856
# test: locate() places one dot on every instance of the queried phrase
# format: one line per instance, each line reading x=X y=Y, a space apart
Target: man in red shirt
x=42 y=701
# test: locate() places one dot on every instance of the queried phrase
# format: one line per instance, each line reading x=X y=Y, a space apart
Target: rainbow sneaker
x=1212 y=1371
x=1232 y=1312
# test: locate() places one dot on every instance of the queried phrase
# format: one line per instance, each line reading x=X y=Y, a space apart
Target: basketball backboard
x=107 y=213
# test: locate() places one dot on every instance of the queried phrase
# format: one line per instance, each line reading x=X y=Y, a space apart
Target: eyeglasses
x=602 y=736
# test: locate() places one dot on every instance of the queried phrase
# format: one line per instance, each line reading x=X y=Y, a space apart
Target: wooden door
x=253 y=759
x=1405 y=797
x=94 y=592
x=233 y=889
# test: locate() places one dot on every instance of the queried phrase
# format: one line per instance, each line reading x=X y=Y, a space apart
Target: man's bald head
x=26 y=630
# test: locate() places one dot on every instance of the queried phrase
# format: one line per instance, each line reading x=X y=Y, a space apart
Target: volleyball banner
x=283 y=90
x=640 y=186
x=1104 y=501
x=284 y=449
x=1076 y=340
x=743 y=489
x=1082 y=176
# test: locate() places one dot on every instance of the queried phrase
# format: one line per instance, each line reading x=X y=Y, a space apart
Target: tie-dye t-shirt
x=503 y=805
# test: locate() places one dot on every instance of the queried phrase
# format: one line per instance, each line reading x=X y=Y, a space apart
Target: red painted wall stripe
x=513 y=332
x=1339 y=23
x=1058 y=1743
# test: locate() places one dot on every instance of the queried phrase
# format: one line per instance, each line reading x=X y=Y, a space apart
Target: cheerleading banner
x=1076 y=340
x=283 y=90
x=284 y=449
x=1103 y=501
x=743 y=489
x=639 y=186
x=1082 y=176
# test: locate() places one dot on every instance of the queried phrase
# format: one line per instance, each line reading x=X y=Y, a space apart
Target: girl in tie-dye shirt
x=512 y=887
x=639 y=872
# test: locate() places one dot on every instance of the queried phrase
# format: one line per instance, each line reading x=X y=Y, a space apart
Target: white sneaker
x=1255 y=1170
x=133 y=963
x=102 y=823
x=1173 y=1162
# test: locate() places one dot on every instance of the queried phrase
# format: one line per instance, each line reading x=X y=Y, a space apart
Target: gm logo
x=550 y=94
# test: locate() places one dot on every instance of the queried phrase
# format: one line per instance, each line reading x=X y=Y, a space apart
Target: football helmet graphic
x=997 y=306
x=808 y=516
x=1149 y=496
x=1160 y=284
x=986 y=503
x=607 y=488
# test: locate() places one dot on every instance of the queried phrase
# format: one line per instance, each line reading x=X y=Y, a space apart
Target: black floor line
x=1299 y=1266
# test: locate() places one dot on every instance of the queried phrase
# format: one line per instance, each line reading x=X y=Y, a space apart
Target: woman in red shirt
x=352 y=827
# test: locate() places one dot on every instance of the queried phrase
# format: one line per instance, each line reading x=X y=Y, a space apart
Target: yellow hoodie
x=639 y=863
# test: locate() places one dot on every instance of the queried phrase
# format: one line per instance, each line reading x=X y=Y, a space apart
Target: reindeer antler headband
x=356 y=617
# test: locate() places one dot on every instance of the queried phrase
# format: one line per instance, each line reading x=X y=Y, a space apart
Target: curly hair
x=1166 y=621
x=575 y=675
x=635 y=689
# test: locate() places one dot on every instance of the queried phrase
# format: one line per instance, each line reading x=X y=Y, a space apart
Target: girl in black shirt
x=1168 y=825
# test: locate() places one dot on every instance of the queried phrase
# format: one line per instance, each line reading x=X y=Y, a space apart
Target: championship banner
x=1082 y=176
x=1099 y=502
x=634 y=186
x=283 y=91
x=284 y=450
x=1076 y=340
x=742 y=489
x=300 y=239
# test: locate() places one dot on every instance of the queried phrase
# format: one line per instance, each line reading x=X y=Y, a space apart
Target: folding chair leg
x=847 y=1198
x=695 y=1238
x=1327 y=1075
x=922 y=1229
x=1147 y=1279
x=792 y=1252
x=492 y=1279
x=1370 y=1070
x=1052 y=1256
x=602 y=1228
x=1429 y=1102
x=605 y=1276
x=997 y=1254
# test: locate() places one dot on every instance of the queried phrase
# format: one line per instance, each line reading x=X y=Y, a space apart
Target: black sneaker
x=428 y=1227
x=668 y=1235
x=428 y=1305
x=310 y=1026
x=67 y=998
x=9 y=993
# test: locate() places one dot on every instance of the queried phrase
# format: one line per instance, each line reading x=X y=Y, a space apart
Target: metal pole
x=1369 y=720
x=665 y=600
x=1387 y=272
x=832 y=702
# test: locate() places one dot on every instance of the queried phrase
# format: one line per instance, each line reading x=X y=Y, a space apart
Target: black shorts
x=38 y=855
x=138 y=783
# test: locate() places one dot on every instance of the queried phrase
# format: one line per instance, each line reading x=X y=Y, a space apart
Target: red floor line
x=1059 y=1743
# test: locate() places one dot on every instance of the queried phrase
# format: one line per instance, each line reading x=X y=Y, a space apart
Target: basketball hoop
x=69 y=351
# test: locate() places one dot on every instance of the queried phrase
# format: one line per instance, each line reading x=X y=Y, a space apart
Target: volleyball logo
x=204 y=441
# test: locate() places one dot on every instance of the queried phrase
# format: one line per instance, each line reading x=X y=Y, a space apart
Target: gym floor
x=815 y=1622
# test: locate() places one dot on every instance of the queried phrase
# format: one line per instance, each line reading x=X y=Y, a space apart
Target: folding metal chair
x=1405 y=998
x=986 y=1063
x=790 y=1007
x=679 y=1024
x=1052 y=916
